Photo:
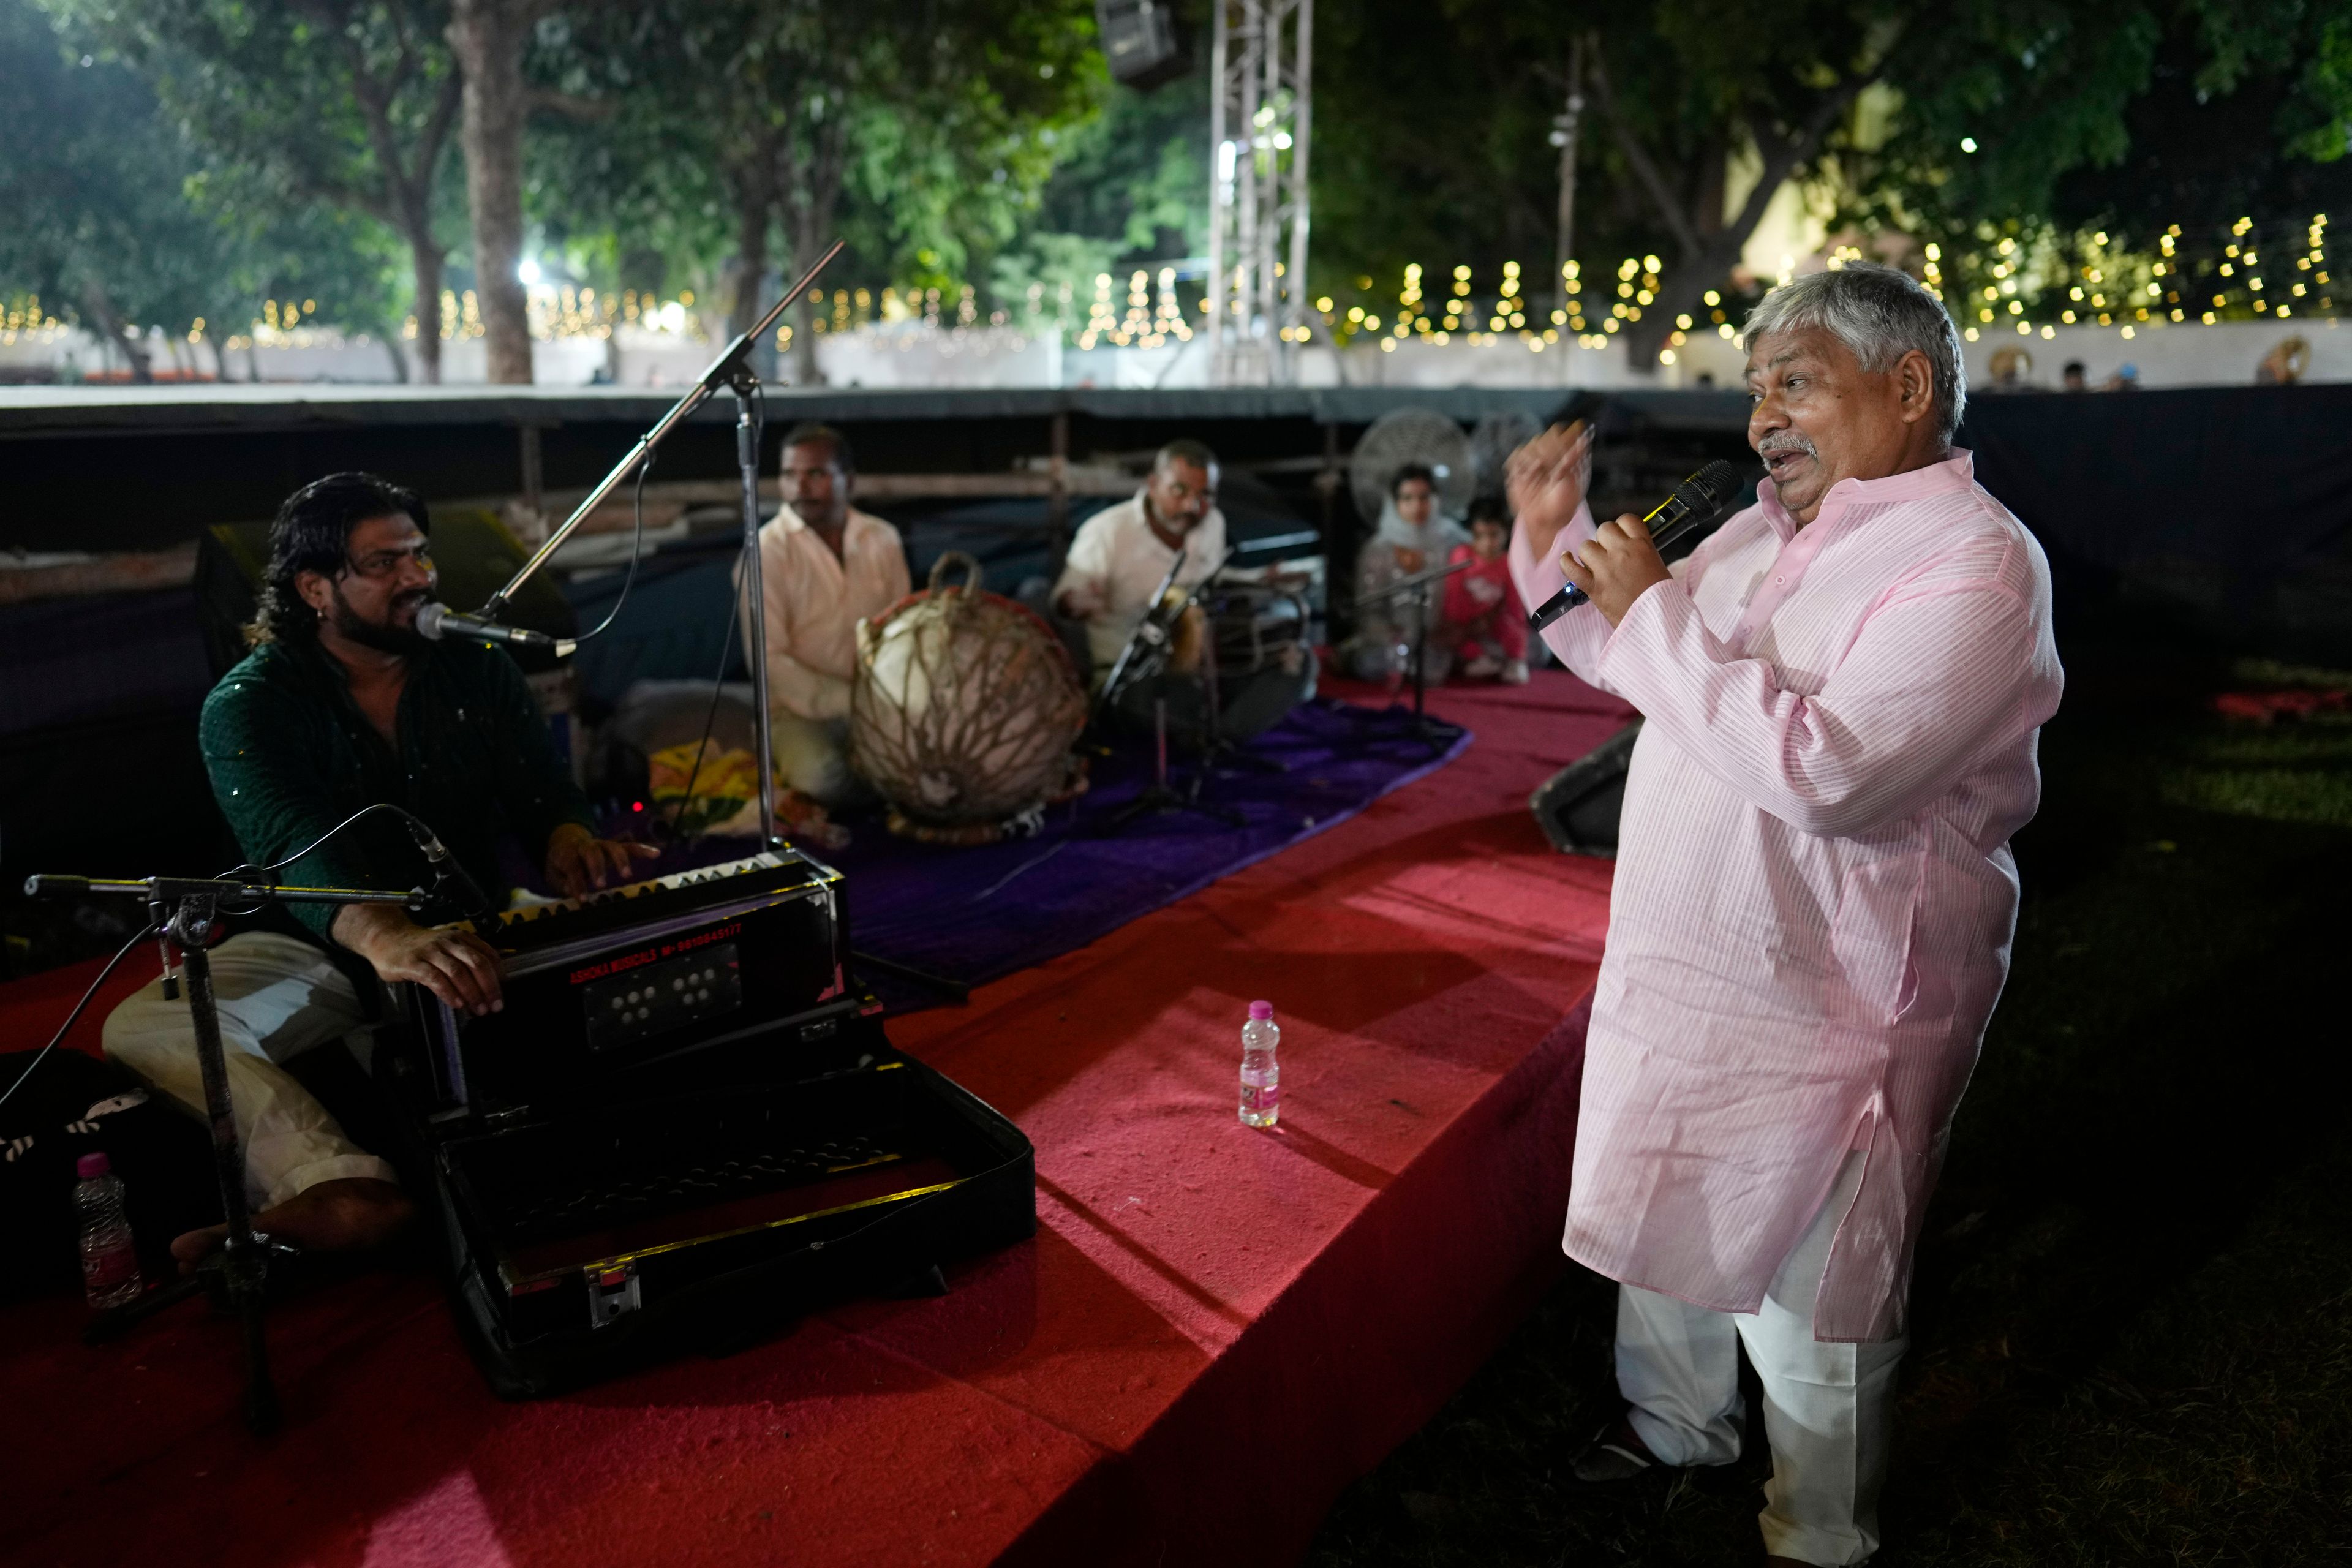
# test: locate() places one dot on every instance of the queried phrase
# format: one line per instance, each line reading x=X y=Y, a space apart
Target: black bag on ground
x=75 y=1105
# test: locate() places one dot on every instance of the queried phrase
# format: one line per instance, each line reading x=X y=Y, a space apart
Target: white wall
x=2224 y=355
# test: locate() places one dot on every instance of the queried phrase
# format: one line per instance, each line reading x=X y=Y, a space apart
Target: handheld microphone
x=436 y=620
x=1696 y=500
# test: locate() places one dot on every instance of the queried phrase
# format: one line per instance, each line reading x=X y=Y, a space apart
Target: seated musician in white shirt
x=823 y=567
x=1122 y=553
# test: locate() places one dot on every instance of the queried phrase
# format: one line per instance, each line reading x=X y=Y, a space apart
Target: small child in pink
x=1484 y=621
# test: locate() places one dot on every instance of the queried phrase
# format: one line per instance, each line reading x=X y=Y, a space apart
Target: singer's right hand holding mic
x=1616 y=566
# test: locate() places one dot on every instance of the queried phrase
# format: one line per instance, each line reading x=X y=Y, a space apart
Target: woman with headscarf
x=1413 y=536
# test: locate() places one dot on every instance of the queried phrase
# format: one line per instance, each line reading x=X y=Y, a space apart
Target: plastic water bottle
x=1261 y=1074
x=110 y=1263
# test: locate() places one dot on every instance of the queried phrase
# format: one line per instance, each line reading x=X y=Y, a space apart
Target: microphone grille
x=429 y=618
x=1720 y=480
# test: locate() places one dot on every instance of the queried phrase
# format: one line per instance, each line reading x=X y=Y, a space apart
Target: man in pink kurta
x=1814 y=894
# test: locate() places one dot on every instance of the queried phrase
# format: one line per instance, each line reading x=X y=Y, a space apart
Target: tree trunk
x=117 y=331
x=399 y=360
x=811 y=189
x=1708 y=252
x=218 y=339
x=805 y=370
x=755 y=203
x=426 y=258
x=488 y=38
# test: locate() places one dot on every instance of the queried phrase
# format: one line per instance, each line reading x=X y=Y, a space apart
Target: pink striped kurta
x=1814 y=894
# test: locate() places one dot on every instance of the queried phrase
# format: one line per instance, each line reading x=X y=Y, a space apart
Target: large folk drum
x=962 y=712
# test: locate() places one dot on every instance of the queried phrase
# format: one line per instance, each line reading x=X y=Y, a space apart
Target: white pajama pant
x=813 y=756
x=1826 y=1406
x=278 y=996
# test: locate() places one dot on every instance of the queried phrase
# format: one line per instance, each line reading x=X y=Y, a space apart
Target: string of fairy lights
x=2026 y=283
x=2031 y=285
x=1461 y=314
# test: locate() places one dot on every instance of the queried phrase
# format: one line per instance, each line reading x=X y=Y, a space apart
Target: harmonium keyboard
x=687 y=1126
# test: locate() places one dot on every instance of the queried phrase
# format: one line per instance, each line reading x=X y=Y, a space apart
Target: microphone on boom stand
x=1697 y=500
x=436 y=620
x=449 y=879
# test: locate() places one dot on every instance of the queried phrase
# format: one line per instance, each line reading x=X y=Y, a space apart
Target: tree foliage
x=351 y=102
x=918 y=130
x=1433 y=123
x=1128 y=187
x=2118 y=113
x=2108 y=161
x=713 y=145
x=96 y=187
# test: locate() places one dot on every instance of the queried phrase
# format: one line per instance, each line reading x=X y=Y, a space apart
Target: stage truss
x=1259 y=121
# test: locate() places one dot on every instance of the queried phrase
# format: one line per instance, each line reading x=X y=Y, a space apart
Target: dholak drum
x=1265 y=666
x=962 y=712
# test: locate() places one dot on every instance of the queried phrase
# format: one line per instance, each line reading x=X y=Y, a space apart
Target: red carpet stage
x=1215 y=1329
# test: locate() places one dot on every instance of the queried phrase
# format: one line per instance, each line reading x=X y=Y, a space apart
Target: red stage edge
x=1352 y=1359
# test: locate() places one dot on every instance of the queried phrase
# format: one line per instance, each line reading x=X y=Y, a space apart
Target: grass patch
x=2133 y=1311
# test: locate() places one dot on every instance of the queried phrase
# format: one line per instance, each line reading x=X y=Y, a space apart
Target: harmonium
x=686 y=1128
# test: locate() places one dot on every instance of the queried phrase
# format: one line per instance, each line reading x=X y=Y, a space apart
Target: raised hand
x=1547 y=479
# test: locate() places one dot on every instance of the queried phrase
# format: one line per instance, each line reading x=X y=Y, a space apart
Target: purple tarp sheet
x=974 y=914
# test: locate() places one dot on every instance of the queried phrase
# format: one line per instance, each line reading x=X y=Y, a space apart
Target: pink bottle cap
x=1261 y=1011
x=91 y=1165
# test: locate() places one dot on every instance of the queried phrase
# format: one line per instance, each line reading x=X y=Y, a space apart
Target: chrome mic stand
x=732 y=371
x=186 y=908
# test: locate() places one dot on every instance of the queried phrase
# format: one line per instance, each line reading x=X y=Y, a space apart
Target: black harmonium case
x=687 y=1128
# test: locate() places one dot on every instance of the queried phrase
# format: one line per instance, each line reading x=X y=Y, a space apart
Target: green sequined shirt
x=290 y=755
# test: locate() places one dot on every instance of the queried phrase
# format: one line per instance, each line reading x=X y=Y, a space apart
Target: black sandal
x=1615 y=1454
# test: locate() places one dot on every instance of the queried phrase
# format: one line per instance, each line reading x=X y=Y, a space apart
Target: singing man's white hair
x=1881 y=314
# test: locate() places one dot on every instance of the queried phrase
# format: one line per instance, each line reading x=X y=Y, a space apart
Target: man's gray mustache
x=1787 y=443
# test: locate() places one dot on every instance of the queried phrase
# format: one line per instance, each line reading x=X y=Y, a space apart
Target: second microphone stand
x=731 y=372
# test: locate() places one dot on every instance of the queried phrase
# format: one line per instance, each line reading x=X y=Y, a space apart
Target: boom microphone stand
x=186 y=907
x=731 y=370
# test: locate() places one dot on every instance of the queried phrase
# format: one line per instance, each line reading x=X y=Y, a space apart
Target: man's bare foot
x=350 y=1214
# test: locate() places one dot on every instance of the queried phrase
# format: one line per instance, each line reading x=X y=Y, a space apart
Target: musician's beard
x=384 y=636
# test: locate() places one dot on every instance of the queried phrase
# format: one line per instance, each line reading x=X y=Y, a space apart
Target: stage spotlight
x=1140 y=41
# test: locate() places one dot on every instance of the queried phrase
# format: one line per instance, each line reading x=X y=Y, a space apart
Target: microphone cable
x=636 y=554
x=709 y=722
x=147 y=930
x=416 y=824
x=727 y=645
x=63 y=1030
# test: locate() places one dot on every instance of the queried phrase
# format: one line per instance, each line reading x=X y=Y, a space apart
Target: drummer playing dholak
x=1122 y=553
